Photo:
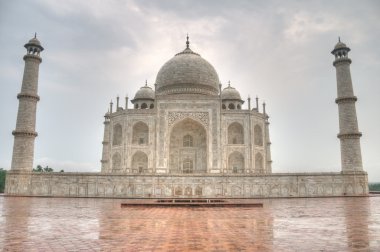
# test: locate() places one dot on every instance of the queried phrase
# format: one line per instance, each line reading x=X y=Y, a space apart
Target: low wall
x=205 y=185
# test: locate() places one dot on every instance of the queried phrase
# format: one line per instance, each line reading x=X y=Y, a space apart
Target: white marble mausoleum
x=186 y=125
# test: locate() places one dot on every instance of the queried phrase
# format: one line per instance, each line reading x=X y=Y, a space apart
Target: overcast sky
x=277 y=50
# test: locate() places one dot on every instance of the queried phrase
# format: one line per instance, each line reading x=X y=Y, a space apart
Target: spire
x=264 y=111
x=146 y=83
x=339 y=39
x=229 y=83
x=187 y=49
x=35 y=35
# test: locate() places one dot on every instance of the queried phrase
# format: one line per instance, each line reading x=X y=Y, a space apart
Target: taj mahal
x=186 y=125
x=186 y=136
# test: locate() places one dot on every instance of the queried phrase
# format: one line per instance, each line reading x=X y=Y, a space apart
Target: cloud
x=304 y=26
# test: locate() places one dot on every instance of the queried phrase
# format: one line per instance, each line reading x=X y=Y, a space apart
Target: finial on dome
x=146 y=83
x=339 y=38
x=35 y=35
x=229 y=83
x=187 y=41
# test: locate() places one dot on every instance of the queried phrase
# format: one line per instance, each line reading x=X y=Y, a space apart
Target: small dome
x=34 y=41
x=230 y=93
x=145 y=93
x=340 y=45
x=187 y=73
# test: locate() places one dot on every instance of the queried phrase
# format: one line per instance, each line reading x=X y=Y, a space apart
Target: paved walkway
x=66 y=224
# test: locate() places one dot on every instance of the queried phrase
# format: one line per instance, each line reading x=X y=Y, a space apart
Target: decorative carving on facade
x=201 y=117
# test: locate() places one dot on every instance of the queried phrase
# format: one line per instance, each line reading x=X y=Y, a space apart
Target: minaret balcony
x=342 y=60
x=24 y=133
x=347 y=99
x=28 y=96
x=351 y=135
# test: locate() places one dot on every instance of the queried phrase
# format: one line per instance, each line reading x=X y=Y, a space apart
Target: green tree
x=48 y=169
x=3 y=173
x=40 y=169
x=374 y=187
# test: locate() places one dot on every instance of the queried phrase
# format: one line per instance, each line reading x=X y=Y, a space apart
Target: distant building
x=187 y=137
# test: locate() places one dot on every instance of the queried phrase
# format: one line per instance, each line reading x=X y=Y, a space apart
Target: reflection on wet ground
x=308 y=224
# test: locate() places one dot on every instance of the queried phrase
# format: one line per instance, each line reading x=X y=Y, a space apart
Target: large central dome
x=187 y=73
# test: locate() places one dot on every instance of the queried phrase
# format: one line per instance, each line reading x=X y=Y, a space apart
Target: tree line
x=3 y=173
x=39 y=168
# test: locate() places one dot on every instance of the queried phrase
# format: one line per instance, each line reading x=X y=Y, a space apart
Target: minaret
x=106 y=143
x=268 y=156
x=349 y=134
x=24 y=134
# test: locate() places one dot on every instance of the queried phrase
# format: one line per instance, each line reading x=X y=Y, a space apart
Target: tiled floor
x=64 y=224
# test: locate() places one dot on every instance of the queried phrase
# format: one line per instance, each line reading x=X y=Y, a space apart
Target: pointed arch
x=139 y=162
x=188 y=147
x=140 y=134
x=258 y=135
x=178 y=191
x=236 y=162
x=188 y=191
x=144 y=106
x=235 y=133
x=117 y=134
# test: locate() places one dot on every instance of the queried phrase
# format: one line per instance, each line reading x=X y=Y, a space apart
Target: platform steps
x=190 y=203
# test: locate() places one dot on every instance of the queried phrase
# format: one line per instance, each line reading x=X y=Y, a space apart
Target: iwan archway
x=188 y=147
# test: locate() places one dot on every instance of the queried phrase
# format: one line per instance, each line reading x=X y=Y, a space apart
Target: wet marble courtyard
x=305 y=224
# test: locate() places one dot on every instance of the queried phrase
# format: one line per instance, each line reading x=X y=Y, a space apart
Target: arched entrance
x=139 y=162
x=236 y=162
x=188 y=147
